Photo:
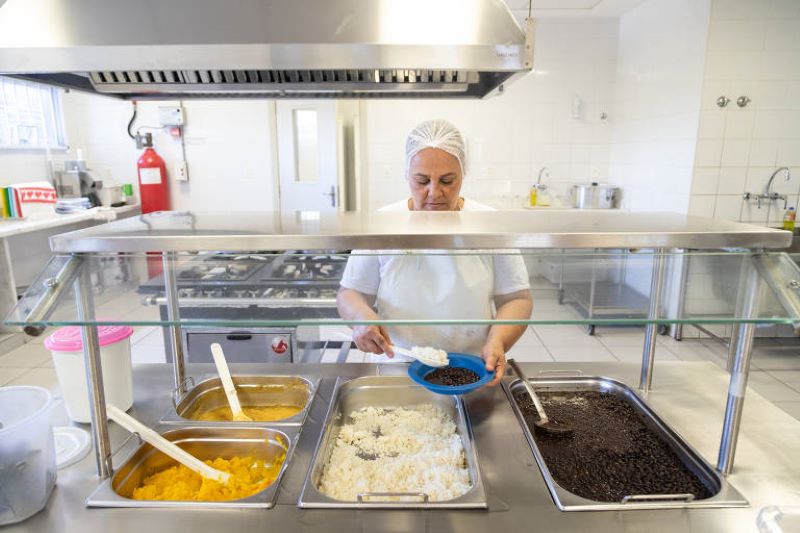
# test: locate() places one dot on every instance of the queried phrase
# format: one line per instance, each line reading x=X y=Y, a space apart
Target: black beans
x=452 y=376
x=612 y=453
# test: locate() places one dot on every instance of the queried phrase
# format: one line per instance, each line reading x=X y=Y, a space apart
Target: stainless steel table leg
x=8 y=287
x=742 y=340
x=173 y=315
x=651 y=330
x=94 y=372
x=677 y=329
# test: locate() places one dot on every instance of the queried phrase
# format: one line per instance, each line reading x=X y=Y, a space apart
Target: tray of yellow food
x=270 y=400
x=255 y=457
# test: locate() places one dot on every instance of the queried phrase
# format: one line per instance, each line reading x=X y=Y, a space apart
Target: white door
x=308 y=162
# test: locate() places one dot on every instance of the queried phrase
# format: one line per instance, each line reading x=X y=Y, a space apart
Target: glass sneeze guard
x=602 y=288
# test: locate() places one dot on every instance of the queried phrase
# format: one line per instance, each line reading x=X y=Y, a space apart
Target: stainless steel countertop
x=689 y=396
x=186 y=231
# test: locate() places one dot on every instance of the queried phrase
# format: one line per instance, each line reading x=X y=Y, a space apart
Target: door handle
x=239 y=336
x=332 y=194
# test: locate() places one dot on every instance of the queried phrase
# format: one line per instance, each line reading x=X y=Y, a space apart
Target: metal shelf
x=173 y=231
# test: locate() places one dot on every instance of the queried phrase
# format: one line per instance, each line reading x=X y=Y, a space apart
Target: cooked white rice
x=432 y=354
x=416 y=449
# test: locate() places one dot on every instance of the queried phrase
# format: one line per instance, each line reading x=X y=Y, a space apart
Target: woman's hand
x=373 y=339
x=494 y=354
x=354 y=305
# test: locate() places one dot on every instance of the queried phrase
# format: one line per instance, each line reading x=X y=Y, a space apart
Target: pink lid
x=68 y=339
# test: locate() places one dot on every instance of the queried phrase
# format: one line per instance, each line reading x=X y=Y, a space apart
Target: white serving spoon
x=415 y=353
x=227 y=384
x=411 y=354
x=160 y=443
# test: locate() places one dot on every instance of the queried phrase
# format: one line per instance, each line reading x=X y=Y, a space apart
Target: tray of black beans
x=452 y=376
x=612 y=454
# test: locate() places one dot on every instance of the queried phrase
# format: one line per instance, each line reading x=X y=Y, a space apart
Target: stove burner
x=302 y=267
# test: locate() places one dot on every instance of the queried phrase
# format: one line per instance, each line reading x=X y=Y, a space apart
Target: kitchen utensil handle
x=239 y=336
x=532 y=393
x=403 y=351
x=225 y=376
x=160 y=443
x=565 y=373
x=658 y=497
x=361 y=495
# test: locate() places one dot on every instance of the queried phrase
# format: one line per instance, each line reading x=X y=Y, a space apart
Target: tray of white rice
x=389 y=443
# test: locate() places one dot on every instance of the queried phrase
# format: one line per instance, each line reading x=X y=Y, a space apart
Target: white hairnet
x=439 y=134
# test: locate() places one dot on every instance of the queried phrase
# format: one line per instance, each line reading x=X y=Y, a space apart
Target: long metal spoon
x=544 y=424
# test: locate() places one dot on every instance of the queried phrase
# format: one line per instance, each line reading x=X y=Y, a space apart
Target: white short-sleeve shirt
x=364 y=268
x=443 y=286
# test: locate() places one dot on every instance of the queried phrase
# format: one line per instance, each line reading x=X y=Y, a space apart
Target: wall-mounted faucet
x=768 y=193
x=544 y=171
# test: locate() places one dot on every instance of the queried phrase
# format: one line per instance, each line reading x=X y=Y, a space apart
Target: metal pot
x=595 y=196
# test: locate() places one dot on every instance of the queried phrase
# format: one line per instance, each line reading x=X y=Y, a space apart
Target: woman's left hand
x=494 y=354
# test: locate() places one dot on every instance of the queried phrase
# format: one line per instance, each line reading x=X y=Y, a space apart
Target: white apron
x=437 y=287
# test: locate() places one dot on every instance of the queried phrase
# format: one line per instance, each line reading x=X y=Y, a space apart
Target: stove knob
x=280 y=345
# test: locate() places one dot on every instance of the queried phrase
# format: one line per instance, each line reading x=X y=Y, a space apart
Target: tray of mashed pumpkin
x=256 y=458
x=273 y=400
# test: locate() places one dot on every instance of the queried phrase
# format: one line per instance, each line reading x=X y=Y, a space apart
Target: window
x=30 y=116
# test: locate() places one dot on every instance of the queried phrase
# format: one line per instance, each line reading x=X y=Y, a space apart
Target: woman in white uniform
x=408 y=286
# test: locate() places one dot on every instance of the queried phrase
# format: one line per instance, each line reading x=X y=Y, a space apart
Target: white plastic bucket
x=115 y=357
x=27 y=452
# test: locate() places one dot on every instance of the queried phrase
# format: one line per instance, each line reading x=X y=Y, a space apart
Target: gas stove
x=222 y=268
x=250 y=286
x=257 y=293
x=279 y=281
x=301 y=267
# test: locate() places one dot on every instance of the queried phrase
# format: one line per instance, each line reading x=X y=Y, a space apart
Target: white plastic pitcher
x=27 y=452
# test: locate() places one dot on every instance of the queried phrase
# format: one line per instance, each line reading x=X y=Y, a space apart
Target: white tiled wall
x=657 y=102
x=509 y=138
x=754 y=51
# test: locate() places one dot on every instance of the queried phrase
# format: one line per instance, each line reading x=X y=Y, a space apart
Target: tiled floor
x=775 y=370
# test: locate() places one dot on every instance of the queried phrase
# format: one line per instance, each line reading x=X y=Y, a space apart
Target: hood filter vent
x=293 y=83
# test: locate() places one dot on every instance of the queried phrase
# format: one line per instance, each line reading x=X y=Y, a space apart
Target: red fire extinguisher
x=153 y=185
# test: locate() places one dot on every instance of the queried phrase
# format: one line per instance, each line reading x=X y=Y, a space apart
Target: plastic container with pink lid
x=66 y=346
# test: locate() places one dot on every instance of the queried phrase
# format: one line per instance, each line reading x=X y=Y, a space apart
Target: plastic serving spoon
x=160 y=443
x=407 y=353
x=544 y=424
x=437 y=363
x=227 y=384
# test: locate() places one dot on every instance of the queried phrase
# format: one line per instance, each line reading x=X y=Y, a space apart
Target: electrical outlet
x=182 y=171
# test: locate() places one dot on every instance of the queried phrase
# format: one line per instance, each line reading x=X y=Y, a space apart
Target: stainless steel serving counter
x=689 y=396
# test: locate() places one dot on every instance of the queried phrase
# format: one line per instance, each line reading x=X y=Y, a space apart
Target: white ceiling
x=572 y=8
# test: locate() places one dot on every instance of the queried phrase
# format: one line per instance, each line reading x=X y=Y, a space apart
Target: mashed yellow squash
x=264 y=413
x=248 y=476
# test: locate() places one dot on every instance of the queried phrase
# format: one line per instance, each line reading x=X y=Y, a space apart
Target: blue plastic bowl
x=417 y=372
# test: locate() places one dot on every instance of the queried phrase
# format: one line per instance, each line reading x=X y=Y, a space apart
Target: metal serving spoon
x=544 y=424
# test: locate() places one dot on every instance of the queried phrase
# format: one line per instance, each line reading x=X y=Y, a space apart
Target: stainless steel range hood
x=266 y=48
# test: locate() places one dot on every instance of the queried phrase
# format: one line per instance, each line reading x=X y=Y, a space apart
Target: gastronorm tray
x=260 y=389
x=723 y=494
x=389 y=391
x=204 y=443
